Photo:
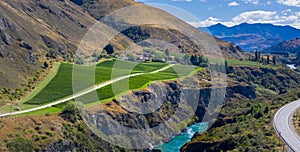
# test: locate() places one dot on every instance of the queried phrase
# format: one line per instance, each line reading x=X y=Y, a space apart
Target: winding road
x=83 y=92
x=283 y=124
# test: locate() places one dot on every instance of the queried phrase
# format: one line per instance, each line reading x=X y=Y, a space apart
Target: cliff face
x=172 y=99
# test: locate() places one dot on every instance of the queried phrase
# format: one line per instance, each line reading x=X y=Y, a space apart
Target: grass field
x=120 y=88
x=44 y=83
x=50 y=110
x=131 y=66
x=132 y=83
x=138 y=82
x=61 y=85
x=58 y=87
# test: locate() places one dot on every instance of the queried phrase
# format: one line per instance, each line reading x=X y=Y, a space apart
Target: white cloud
x=286 y=17
x=255 y=2
x=295 y=3
x=254 y=17
x=234 y=3
x=208 y=22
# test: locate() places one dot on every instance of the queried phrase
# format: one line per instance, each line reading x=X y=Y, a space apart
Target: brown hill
x=290 y=46
x=146 y=22
x=100 y=8
x=30 y=29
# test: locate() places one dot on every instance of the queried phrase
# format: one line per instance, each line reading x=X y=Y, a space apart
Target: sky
x=234 y=12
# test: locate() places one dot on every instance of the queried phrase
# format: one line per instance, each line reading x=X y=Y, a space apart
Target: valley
x=124 y=76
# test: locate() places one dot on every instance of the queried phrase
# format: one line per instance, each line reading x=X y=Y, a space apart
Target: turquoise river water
x=177 y=142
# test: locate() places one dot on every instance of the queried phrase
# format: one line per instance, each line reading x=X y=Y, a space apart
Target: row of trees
x=262 y=59
x=197 y=60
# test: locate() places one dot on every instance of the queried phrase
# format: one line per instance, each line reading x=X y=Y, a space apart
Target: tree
x=186 y=59
x=158 y=57
x=52 y=54
x=46 y=65
x=167 y=52
x=72 y=111
x=274 y=60
x=193 y=59
x=256 y=56
x=227 y=67
x=178 y=59
x=109 y=49
x=268 y=59
x=200 y=59
x=267 y=109
x=79 y=61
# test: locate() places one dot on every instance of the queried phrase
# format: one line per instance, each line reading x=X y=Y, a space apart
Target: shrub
x=72 y=111
x=21 y=145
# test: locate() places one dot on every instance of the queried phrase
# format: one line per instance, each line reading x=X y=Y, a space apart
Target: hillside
x=254 y=36
x=31 y=29
x=246 y=125
x=290 y=46
x=100 y=8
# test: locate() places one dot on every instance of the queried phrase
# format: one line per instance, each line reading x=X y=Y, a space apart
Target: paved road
x=81 y=93
x=284 y=125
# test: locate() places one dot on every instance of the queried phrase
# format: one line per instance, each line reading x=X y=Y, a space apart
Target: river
x=177 y=142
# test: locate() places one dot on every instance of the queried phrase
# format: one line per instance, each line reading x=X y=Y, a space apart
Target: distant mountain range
x=254 y=36
x=289 y=46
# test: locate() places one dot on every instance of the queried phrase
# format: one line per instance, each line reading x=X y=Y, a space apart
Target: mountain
x=254 y=36
x=31 y=30
x=289 y=46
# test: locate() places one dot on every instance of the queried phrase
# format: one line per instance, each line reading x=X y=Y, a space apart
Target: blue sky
x=233 y=12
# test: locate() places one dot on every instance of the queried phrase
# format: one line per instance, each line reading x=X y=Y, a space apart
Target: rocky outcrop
x=157 y=105
x=246 y=91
